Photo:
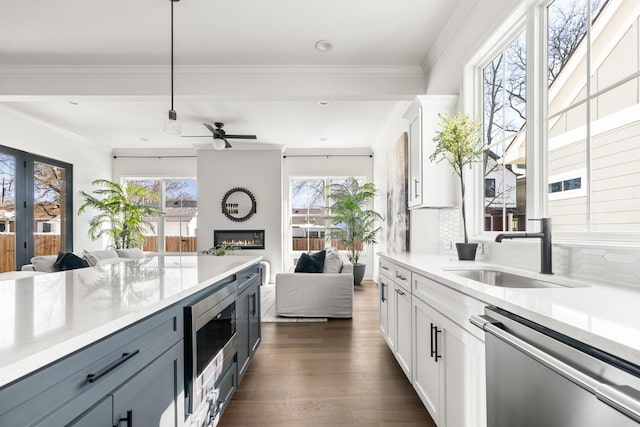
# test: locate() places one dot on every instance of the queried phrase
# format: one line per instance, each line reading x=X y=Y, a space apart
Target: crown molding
x=19 y=82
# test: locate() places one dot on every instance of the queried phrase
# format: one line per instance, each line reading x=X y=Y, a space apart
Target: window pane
x=505 y=138
x=180 y=219
x=49 y=194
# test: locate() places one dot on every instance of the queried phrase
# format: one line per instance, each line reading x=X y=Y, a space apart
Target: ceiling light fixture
x=323 y=103
x=324 y=45
x=219 y=144
x=171 y=124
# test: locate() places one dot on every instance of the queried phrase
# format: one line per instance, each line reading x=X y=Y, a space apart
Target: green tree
x=121 y=213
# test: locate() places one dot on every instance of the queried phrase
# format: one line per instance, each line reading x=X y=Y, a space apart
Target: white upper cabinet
x=431 y=185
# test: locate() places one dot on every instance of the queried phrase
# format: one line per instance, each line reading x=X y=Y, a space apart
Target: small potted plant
x=458 y=142
x=354 y=224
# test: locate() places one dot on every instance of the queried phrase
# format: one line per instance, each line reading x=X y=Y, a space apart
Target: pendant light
x=171 y=124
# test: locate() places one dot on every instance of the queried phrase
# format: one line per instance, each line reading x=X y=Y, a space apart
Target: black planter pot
x=466 y=251
x=358 y=273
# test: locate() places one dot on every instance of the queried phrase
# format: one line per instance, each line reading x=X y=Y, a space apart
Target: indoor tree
x=458 y=143
x=121 y=212
x=354 y=224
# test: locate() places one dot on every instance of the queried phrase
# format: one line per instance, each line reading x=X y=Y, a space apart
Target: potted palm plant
x=121 y=213
x=458 y=142
x=353 y=223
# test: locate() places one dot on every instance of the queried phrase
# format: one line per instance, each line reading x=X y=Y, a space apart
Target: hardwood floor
x=338 y=373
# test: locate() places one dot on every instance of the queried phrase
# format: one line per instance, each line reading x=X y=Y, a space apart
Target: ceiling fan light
x=219 y=144
x=171 y=124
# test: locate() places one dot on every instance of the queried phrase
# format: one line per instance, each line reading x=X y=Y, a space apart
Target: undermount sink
x=503 y=279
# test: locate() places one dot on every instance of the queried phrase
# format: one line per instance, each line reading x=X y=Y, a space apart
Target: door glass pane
x=7 y=213
x=49 y=195
x=180 y=220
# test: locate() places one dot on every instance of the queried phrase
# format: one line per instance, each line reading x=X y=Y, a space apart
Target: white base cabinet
x=424 y=324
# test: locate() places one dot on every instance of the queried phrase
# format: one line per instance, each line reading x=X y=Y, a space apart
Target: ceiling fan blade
x=226 y=143
x=241 y=136
x=211 y=128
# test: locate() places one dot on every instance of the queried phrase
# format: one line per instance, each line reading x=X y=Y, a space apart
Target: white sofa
x=316 y=294
x=45 y=263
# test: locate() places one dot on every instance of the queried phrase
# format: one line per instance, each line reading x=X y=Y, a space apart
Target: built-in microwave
x=210 y=348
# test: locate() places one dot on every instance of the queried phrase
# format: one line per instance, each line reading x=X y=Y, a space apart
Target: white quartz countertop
x=604 y=316
x=49 y=316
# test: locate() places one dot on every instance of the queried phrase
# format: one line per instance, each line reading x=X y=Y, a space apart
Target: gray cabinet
x=248 y=315
x=60 y=393
x=151 y=397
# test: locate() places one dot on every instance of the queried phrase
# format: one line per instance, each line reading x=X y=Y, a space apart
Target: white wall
x=318 y=162
x=260 y=172
x=90 y=161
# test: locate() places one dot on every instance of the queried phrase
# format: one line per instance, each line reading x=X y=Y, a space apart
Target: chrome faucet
x=545 y=243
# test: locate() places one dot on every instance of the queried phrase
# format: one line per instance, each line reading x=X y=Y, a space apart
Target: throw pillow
x=69 y=261
x=311 y=263
x=93 y=257
x=133 y=253
x=332 y=262
x=44 y=263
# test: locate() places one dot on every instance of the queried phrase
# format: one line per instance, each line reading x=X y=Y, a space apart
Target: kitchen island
x=78 y=320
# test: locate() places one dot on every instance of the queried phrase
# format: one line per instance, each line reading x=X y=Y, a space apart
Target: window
x=587 y=122
x=308 y=200
x=504 y=136
x=176 y=230
x=593 y=114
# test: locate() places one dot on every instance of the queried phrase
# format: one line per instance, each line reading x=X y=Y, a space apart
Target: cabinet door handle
x=399 y=292
x=128 y=420
x=254 y=308
x=384 y=267
x=92 y=378
x=415 y=183
x=382 y=298
x=398 y=276
x=436 y=331
x=431 y=339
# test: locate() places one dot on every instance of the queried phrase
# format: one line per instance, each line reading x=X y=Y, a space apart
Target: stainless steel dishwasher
x=539 y=377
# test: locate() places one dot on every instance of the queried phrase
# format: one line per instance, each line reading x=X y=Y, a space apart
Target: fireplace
x=242 y=239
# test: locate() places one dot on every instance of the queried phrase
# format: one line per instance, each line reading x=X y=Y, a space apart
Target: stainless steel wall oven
x=210 y=348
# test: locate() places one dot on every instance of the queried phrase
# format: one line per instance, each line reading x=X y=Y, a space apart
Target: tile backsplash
x=618 y=265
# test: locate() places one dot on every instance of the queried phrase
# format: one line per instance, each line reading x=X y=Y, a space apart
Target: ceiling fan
x=219 y=135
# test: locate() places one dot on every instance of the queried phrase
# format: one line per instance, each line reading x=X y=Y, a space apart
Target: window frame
x=531 y=16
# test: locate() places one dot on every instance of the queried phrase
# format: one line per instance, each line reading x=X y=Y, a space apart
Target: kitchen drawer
x=112 y=361
x=455 y=305
x=402 y=277
x=386 y=267
x=248 y=277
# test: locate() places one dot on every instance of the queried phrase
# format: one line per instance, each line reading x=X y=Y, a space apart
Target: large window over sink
x=564 y=94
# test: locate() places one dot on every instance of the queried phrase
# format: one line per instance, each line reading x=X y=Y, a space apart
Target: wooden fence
x=172 y=244
x=45 y=244
x=317 y=244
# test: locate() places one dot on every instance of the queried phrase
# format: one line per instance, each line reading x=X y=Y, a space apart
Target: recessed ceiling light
x=74 y=102
x=323 y=45
x=322 y=138
x=323 y=103
x=144 y=139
